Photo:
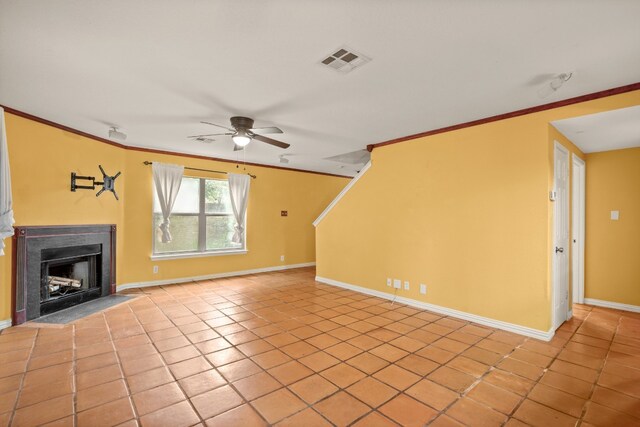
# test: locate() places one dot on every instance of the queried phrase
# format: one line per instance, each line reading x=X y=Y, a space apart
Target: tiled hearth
x=281 y=349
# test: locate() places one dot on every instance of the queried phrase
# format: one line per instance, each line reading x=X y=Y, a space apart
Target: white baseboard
x=4 y=324
x=498 y=324
x=211 y=276
x=611 y=304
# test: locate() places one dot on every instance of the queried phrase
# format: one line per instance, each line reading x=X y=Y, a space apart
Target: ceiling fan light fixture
x=241 y=138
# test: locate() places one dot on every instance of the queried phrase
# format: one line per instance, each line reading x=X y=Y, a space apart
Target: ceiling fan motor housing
x=241 y=122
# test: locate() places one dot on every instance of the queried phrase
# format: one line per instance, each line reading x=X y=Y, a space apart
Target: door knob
x=559 y=249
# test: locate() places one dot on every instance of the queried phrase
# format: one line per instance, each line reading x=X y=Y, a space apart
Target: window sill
x=198 y=254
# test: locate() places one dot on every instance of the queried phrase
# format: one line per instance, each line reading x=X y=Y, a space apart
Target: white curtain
x=167 y=179
x=239 y=192
x=6 y=199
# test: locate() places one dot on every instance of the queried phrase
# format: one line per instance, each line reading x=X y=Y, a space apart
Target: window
x=202 y=219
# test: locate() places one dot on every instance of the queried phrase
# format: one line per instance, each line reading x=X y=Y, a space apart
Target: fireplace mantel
x=28 y=245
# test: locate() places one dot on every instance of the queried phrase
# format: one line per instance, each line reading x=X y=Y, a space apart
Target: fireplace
x=58 y=267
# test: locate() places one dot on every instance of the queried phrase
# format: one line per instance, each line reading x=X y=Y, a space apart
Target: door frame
x=554 y=286
x=578 y=208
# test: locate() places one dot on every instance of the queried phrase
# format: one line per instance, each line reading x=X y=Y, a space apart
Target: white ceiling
x=155 y=68
x=611 y=130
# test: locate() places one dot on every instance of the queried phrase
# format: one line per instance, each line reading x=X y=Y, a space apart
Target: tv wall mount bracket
x=108 y=183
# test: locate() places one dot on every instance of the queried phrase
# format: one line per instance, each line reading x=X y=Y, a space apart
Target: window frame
x=202 y=215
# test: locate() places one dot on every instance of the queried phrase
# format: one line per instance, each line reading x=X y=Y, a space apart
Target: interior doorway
x=577 y=228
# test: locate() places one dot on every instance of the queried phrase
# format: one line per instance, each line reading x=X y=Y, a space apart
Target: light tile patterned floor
x=281 y=349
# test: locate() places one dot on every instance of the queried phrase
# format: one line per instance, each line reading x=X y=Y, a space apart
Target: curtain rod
x=146 y=162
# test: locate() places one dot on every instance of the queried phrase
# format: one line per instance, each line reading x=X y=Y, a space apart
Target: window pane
x=216 y=196
x=188 y=200
x=220 y=231
x=184 y=230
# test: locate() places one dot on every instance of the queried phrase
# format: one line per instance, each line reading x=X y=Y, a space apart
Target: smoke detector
x=114 y=133
x=283 y=158
x=345 y=60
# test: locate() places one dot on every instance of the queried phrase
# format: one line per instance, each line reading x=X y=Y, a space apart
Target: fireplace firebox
x=58 y=267
x=68 y=276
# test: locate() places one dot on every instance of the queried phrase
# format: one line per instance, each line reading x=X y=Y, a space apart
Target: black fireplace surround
x=56 y=267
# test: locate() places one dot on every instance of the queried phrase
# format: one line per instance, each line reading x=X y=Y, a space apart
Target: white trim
x=174 y=255
x=614 y=305
x=577 y=227
x=342 y=193
x=211 y=276
x=4 y=324
x=493 y=323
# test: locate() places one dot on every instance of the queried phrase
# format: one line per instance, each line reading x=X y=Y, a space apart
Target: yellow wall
x=465 y=212
x=612 y=252
x=42 y=158
x=269 y=235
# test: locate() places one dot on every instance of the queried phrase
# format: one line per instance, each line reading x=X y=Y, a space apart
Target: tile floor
x=281 y=349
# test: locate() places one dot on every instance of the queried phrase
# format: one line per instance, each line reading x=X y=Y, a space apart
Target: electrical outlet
x=397 y=283
x=281 y=257
x=388 y=281
x=406 y=285
x=423 y=289
x=155 y=269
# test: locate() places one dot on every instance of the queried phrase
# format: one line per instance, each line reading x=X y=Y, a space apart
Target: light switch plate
x=615 y=215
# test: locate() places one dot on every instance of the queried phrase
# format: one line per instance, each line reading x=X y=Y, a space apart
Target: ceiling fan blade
x=271 y=141
x=209 y=134
x=220 y=126
x=262 y=131
x=237 y=147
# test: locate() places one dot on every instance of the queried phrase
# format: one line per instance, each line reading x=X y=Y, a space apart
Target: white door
x=577 y=228
x=560 y=250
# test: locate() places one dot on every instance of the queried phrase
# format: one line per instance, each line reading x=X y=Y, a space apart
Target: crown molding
x=28 y=116
x=512 y=114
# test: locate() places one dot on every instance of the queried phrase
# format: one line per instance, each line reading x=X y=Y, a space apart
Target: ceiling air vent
x=345 y=60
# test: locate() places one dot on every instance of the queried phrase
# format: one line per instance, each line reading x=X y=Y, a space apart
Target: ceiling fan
x=242 y=132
